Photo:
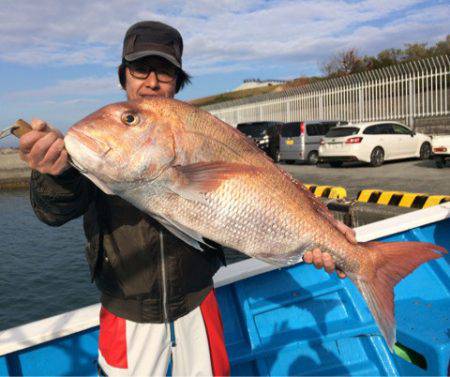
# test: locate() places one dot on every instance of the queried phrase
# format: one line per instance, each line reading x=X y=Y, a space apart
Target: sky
x=59 y=58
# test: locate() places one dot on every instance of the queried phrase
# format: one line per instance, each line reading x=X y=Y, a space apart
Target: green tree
x=443 y=47
x=348 y=62
x=390 y=56
x=414 y=51
x=344 y=63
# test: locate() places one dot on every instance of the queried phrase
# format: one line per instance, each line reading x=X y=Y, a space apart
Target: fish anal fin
x=323 y=210
x=390 y=262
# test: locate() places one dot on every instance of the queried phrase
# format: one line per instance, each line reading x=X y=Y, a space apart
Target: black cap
x=153 y=38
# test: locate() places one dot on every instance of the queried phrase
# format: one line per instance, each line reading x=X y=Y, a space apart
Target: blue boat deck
x=300 y=321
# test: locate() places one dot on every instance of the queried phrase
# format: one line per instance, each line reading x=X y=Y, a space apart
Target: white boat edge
x=31 y=334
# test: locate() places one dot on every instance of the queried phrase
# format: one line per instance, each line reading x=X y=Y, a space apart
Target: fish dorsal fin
x=322 y=209
x=194 y=180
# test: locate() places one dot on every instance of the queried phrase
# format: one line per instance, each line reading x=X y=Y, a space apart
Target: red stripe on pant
x=214 y=330
x=112 y=340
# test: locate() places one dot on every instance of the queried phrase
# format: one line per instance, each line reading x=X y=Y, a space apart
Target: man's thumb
x=39 y=125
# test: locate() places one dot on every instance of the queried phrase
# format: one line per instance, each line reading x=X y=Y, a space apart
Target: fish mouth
x=99 y=147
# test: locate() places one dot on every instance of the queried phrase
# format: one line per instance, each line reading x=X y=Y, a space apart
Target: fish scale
x=203 y=179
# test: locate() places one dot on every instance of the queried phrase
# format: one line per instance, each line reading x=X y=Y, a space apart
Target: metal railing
x=405 y=91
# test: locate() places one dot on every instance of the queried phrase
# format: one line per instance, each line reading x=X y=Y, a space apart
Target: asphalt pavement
x=406 y=175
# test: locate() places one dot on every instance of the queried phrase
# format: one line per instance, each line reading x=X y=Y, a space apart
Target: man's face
x=150 y=76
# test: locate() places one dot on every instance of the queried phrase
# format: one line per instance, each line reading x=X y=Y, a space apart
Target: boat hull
x=295 y=321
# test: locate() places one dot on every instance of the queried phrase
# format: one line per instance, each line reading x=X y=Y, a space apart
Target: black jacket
x=145 y=274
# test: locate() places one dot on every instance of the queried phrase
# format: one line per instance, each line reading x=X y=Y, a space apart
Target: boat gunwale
x=51 y=328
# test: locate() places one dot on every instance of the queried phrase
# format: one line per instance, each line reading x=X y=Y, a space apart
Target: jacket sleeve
x=57 y=200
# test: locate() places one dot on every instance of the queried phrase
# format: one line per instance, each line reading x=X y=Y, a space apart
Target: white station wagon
x=373 y=142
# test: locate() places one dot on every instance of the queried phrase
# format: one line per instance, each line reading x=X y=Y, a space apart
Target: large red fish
x=205 y=181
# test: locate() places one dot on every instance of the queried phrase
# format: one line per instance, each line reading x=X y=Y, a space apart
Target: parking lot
x=409 y=175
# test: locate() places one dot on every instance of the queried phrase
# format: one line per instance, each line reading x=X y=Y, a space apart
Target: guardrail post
x=321 y=106
x=412 y=94
x=408 y=91
x=360 y=103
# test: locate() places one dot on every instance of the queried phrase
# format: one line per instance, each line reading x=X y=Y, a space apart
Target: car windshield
x=342 y=131
x=253 y=130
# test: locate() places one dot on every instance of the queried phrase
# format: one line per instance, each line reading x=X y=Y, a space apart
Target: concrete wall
x=433 y=125
x=13 y=171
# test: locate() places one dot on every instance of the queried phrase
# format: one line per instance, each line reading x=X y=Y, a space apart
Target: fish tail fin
x=389 y=263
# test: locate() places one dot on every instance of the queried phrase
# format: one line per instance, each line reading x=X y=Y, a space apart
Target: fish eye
x=130 y=119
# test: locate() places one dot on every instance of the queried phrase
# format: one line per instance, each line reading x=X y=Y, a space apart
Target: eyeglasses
x=141 y=72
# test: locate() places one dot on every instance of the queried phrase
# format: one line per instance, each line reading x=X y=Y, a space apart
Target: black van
x=265 y=134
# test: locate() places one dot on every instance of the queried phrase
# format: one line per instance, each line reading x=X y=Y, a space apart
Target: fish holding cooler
x=204 y=181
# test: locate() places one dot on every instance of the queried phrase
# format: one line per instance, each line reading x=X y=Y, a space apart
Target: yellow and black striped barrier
x=401 y=199
x=331 y=192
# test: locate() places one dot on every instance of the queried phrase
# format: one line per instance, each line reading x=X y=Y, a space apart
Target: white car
x=373 y=142
x=441 y=149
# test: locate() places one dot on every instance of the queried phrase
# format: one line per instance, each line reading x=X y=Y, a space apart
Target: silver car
x=300 y=141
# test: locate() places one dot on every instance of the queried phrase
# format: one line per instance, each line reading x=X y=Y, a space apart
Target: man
x=158 y=302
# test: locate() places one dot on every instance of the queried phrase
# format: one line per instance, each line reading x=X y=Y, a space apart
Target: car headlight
x=264 y=140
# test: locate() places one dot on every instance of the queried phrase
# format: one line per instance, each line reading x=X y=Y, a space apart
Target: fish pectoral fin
x=194 y=180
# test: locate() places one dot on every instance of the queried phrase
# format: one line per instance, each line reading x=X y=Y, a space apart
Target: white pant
x=196 y=345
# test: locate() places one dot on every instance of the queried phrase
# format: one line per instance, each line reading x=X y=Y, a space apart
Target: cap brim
x=142 y=54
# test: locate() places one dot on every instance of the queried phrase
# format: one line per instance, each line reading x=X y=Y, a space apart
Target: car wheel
x=313 y=158
x=335 y=164
x=425 y=151
x=277 y=157
x=377 y=157
x=440 y=162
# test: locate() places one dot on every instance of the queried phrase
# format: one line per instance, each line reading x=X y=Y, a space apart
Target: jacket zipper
x=164 y=288
x=163 y=276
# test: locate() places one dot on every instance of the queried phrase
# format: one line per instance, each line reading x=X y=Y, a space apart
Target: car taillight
x=354 y=140
x=440 y=149
x=302 y=128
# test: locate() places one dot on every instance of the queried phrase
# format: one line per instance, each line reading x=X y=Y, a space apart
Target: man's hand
x=43 y=149
x=322 y=260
